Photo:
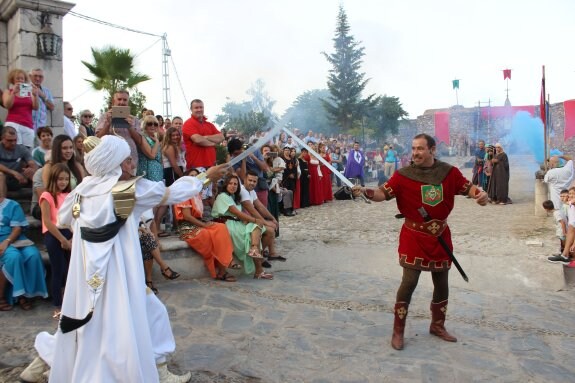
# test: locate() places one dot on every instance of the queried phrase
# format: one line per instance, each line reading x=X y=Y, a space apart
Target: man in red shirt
x=433 y=185
x=200 y=138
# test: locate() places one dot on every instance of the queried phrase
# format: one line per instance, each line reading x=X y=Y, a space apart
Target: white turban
x=103 y=163
x=107 y=156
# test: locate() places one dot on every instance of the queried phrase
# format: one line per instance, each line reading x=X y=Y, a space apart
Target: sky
x=413 y=49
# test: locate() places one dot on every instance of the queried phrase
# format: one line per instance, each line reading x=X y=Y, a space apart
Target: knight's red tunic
x=419 y=250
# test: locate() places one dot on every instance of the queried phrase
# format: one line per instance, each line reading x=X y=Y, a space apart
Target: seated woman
x=20 y=261
x=245 y=230
x=210 y=239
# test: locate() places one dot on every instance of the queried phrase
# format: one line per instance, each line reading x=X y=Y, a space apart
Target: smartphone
x=120 y=111
x=25 y=90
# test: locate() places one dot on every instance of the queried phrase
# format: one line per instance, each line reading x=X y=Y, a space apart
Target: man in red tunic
x=200 y=138
x=431 y=184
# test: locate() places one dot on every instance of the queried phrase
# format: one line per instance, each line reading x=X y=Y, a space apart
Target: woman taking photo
x=245 y=230
x=20 y=99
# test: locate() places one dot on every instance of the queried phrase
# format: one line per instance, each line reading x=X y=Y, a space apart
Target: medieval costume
x=498 y=189
x=432 y=188
x=326 y=179
x=354 y=165
x=315 y=184
x=478 y=167
x=125 y=331
x=303 y=183
x=212 y=242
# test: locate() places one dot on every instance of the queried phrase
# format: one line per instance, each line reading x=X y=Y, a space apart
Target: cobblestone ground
x=327 y=315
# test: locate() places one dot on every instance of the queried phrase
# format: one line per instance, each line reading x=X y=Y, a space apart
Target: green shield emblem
x=431 y=194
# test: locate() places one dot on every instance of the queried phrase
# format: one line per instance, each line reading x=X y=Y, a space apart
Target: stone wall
x=20 y=24
x=468 y=125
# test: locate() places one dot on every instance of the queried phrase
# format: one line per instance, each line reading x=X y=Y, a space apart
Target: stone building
x=31 y=37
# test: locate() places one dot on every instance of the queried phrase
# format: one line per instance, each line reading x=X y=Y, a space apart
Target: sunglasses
x=152 y=124
x=69 y=108
x=88 y=116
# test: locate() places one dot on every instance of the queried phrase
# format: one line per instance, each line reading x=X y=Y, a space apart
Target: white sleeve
x=150 y=193
x=244 y=194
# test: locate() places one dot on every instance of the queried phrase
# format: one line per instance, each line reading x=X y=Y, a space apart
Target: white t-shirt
x=246 y=195
x=559 y=179
x=571 y=215
x=559 y=217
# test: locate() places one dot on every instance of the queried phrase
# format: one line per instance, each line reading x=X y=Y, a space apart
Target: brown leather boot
x=400 y=316
x=438 y=312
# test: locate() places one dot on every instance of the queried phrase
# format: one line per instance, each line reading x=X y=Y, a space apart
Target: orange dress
x=213 y=243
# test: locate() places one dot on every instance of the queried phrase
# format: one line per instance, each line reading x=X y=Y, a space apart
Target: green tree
x=307 y=112
x=383 y=119
x=113 y=69
x=250 y=116
x=345 y=105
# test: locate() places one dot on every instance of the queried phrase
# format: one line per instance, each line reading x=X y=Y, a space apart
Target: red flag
x=442 y=127
x=506 y=74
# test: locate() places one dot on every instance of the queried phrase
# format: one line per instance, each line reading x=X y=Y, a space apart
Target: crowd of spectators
x=233 y=225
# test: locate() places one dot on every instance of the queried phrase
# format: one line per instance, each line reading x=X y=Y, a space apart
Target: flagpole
x=544 y=120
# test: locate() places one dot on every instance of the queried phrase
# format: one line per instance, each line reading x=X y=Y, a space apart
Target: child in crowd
x=566 y=256
x=57 y=239
x=560 y=220
x=564 y=195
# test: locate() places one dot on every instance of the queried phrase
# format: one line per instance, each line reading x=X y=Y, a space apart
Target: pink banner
x=569 y=107
x=505 y=111
x=442 y=127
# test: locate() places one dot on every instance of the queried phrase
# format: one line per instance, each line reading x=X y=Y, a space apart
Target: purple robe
x=354 y=169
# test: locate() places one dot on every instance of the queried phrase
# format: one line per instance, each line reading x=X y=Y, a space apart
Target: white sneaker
x=167 y=377
x=34 y=372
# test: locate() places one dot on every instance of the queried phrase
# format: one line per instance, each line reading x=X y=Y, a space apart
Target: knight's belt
x=103 y=233
x=434 y=227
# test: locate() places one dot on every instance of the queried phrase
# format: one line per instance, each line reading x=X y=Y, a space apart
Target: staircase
x=177 y=254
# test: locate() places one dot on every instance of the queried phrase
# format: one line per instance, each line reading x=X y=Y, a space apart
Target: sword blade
x=257 y=145
x=343 y=178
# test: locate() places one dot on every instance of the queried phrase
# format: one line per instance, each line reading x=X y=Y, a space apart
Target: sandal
x=24 y=304
x=150 y=285
x=57 y=314
x=226 y=277
x=264 y=275
x=4 y=305
x=235 y=266
x=254 y=253
x=277 y=258
x=173 y=275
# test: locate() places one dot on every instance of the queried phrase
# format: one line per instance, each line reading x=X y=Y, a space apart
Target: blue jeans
x=59 y=261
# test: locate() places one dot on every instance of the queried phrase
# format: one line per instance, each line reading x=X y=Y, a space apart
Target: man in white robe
x=559 y=178
x=129 y=331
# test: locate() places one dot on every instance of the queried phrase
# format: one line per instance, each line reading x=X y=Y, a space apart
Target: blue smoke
x=527 y=133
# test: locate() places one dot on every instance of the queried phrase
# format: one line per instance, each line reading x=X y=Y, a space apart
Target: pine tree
x=345 y=81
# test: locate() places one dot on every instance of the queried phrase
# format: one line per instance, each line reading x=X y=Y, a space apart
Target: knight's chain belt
x=434 y=227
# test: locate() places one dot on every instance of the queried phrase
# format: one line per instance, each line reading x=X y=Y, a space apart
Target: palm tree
x=113 y=69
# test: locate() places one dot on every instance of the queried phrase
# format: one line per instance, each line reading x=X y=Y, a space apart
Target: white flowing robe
x=121 y=342
x=559 y=179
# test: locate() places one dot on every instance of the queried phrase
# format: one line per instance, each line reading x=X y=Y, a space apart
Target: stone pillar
x=541 y=195
x=20 y=24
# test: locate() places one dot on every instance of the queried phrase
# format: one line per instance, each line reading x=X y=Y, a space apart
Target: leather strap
x=435 y=227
